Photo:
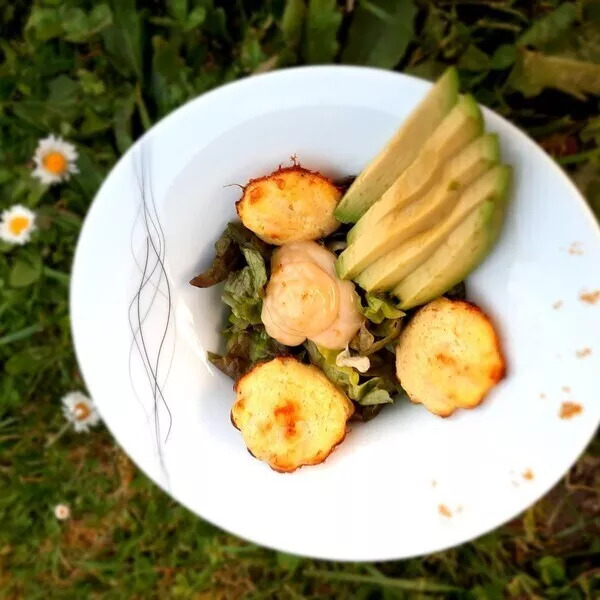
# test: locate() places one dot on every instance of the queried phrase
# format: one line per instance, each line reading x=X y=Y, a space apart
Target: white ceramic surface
x=378 y=495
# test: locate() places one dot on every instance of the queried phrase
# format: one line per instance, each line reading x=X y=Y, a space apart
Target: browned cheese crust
x=292 y=204
x=290 y=414
x=449 y=356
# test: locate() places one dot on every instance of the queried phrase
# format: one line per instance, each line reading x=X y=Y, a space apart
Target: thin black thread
x=157 y=392
x=161 y=257
x=155 y=244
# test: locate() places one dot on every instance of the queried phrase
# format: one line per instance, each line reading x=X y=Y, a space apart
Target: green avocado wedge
x=389 y=270
x=462 y=125
x=401 y=150
x=400 y=225
x=464 y=249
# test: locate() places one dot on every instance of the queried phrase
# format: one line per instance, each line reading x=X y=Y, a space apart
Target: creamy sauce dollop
x=305 y=298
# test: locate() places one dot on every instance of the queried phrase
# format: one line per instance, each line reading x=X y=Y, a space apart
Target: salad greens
x=367 y=389
x=242 y=262
x=380 y=307
x=244 y=290
x=229 y=252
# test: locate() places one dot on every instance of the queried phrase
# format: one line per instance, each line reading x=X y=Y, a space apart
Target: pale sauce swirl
x=305 y=299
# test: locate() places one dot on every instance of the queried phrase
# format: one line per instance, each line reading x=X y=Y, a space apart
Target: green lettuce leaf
x=379 y=308
x=232 y=366
x=369 y=392
x=344 y=377
x=363 y=341
x=229 y=254
x=244 y=288
x=227 y=258
x=367 y=342
x=374 y=391
x=244 y=291
x=246 y=347
x=242 y=259
x=252 y=345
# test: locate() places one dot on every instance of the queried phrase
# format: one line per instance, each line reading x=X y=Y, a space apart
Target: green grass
x=100 y=74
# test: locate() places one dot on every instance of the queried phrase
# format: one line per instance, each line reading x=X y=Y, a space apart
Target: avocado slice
x=464 y=249
x=400 y=225
x=462 y=125
x=401 y=150
x=394 y=266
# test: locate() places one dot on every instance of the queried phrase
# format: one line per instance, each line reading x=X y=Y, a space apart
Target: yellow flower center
x=55 y=162
x=82 y=411
x=18 y=225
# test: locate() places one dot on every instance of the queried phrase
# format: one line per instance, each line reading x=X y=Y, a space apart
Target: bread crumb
x=528 y=474
x=444 y=511
x=459 y=508
x=557 y=304
x=590 y=297
x=569 y=409
x=433 y=483
x=583 y=352
x=542 y=395
x=566 y=388
x=575 y=248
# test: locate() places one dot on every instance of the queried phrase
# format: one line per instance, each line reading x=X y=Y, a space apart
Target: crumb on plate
x=570 y=409
x=575 y=248
x=590 y=297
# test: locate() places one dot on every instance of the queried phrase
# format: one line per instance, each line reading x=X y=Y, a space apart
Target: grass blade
x=409 y=585
x=21 y=334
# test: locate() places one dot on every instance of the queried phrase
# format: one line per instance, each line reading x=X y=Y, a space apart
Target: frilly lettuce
x=241 y=259
x=366 y=392
x=244 y=290
x=379 y=308
x=229 y=254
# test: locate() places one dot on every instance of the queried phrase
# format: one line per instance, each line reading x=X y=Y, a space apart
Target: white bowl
x=378 y=496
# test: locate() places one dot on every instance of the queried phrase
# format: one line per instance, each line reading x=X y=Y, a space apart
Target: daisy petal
x=17 y=223
x=55 y=160
x=79 y=410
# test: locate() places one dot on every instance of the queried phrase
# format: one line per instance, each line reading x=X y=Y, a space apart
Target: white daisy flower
x=62 y=512
x=80 y=411
x=54 y=160
x=17 y=224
